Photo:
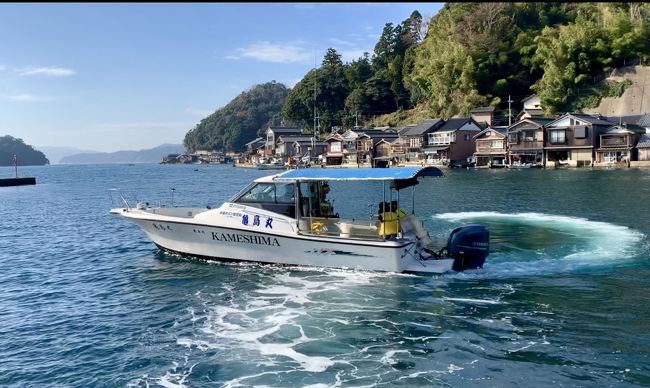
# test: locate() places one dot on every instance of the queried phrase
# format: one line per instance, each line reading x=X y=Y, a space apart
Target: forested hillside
x=26 y=155
x=468 y=55
x=232 y=126
x=478 y=54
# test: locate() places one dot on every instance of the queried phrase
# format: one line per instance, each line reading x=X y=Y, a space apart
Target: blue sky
x=131 y=76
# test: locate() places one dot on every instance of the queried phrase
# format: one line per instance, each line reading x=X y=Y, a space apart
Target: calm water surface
x=564 y=298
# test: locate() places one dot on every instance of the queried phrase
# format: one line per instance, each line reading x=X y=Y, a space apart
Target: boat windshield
x=276 y=197
x=269 y=193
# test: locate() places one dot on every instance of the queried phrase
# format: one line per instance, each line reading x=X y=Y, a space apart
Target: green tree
x=26 y=155
x=240 y=121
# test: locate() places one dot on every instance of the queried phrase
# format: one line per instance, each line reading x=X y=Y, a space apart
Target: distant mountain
x=55 y=154
x=153 y=155
x=26 y=155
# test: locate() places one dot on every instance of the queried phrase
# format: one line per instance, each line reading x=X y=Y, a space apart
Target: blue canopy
x=397 y=174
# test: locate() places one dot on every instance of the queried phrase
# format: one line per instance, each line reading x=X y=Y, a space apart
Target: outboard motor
x=468 y=245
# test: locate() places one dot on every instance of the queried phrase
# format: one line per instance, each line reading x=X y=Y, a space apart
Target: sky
x=130 y=76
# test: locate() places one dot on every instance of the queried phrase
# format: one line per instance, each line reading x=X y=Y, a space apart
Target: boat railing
x=120 y=198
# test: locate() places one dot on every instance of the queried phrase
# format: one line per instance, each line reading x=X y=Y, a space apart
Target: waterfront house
x=617 y=145
x=526 y=141
x=350 y=145
x=398 y=150
x=375 y=143
x=284 y=146
x=334 y=155
x=452 y=141
x=572 y=139
x=643 y=145
x=643 y=148
x=272 y=135
x=491 y=147
x=254 y=150
x=414 y=137
x=308 y=147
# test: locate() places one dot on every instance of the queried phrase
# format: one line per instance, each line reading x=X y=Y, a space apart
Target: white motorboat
x=286 y=219
x=272 y=164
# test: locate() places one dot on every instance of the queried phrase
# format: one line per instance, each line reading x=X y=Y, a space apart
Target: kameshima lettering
x=246 y=239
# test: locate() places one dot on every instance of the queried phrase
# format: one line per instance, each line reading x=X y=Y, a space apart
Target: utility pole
x=509 y=111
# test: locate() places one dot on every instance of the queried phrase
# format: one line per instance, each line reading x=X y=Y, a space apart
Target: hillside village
x=532 y=140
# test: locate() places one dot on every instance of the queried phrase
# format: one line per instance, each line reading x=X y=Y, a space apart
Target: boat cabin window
x=276 y=197
x=269 y=193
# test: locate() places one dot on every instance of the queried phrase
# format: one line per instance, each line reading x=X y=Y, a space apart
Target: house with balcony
x=491 y=147
x=334 y=154
x=272 y=135
x=571 y=140
x=526 y=141
x=349 y=144
x=618 y=145
x=414 y=137
x=452 y=141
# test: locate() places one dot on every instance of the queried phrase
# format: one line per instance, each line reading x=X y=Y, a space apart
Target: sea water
x=563 y=300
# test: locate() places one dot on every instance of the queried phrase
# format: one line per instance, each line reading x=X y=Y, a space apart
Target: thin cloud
x=144 y=125
x=28 y=98
x=47 y=71
x=275 y=52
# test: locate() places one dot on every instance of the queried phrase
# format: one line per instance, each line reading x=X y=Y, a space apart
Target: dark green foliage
x=553 y=49
x=26 y=155
x=242 y=120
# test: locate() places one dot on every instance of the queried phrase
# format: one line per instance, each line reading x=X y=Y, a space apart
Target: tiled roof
x=591 y=119
x=644 y=141
x=644 y=121
x=281 y=130
x=483 y=109
x=308 y=142
x=541 y=121
x=290 y=139
x=421 y=128
x=632 y=119
x=259 y=139
x=454 y=124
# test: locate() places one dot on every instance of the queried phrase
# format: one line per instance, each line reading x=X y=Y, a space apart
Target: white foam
x=389 y=359
x=604 y=242
x=308 y=363
x=473 y=301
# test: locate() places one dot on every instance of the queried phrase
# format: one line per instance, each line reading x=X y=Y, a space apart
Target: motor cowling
x=468 y=245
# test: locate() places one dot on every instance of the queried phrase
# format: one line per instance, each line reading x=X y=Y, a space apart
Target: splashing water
x=535 y=243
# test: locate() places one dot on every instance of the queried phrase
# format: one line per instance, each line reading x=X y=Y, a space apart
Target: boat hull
x=237 y=244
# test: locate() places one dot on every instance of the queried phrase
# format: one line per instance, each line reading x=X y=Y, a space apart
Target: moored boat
x=287 y=219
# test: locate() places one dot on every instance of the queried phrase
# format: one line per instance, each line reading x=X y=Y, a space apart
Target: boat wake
x=525 y=243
